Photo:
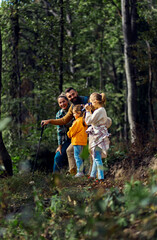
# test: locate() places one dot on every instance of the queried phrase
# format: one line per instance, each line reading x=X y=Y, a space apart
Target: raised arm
x=62 y=121
x=98 y=115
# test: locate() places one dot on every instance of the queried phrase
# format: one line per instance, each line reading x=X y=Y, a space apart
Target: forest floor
x=46 y=206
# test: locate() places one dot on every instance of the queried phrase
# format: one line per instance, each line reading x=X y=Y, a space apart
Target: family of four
x=90 y=120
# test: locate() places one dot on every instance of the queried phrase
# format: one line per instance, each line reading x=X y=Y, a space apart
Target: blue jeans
x=79 y=161
x=97 y=165
x=61 y=160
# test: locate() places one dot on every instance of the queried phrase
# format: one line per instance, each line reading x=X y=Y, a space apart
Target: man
x=75 y=99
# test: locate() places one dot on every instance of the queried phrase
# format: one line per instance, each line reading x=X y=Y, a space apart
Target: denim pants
x=97 y=165
x=79 y=161
x=60 y=160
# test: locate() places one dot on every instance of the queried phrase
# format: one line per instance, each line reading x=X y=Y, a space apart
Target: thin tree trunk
x=101 y=61
x=61 y=46
x=101 y=73
x=118 y=83
x=150 y=107
x=114 y=74
x=70 y=34
x=125 y=122
x=130 y=37
x=4 y=155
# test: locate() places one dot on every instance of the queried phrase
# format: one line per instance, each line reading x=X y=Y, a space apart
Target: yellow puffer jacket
x=77 y=132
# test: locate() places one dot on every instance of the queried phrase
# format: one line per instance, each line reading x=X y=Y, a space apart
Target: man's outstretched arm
x=62 y=121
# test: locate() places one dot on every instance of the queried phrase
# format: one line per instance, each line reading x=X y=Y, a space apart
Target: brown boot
x=73 y=171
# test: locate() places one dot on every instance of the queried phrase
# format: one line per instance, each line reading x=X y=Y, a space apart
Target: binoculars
x=83 y=109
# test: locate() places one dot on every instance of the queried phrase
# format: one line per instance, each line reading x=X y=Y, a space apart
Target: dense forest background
x=47 y=46
x=105 y=46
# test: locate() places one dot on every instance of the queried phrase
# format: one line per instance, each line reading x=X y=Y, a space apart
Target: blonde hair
x=78 y=109
x=100 y=97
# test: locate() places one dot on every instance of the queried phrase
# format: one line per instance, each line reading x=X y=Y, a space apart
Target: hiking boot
x=73 y=171
x=91 y=178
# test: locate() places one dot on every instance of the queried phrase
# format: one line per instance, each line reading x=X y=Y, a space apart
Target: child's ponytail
x=100 y=97
x=103 y=97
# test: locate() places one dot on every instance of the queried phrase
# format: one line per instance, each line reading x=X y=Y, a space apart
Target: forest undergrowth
x=59 y=206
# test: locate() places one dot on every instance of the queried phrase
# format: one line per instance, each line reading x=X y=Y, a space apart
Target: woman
x=60 y=159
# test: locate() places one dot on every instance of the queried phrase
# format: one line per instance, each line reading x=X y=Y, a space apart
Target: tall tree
x=129 y=24
x=70 y=35
x=61 y=46
x=150 y=107
x=15 y=89
x=150 y=78
x=4 y=155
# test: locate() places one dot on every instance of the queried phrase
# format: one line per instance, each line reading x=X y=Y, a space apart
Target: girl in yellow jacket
x=78 y=135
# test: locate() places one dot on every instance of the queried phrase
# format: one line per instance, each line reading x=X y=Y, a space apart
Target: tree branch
x=118 y=9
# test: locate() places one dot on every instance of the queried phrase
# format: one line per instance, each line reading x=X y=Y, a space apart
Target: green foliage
x=136 y=194
x=116 y=153
x=111 y=200
x=56 y=204
x=60 y=207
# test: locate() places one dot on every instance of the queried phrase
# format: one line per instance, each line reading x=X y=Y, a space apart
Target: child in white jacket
x=98 y=133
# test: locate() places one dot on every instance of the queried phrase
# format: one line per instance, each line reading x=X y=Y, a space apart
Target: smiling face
x=63 y=103
x=72 y=95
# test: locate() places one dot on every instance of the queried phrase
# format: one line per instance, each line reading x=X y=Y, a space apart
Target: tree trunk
x=101 y=73
x=70 y=34
x=61 y=47
x=101 y=63
x=15 y=88
x=150 y=107
x=129 y=17
x=4 y=156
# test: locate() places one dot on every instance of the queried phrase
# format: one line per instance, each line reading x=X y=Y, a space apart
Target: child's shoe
x=89 y=177
x=79 y=174
x=73 y=171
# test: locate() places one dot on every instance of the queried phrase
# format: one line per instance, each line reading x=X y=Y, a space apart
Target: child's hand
x=88 y=107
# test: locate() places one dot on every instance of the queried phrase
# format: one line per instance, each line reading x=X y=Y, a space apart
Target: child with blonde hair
x=98 y=133
x=78 y=135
